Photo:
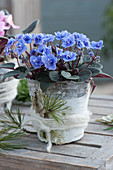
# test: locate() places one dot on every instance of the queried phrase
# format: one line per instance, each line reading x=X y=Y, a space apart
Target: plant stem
x=88 y=64
x=18 y=61
x=30 y=65
x=96 y=53
x=30 y=47
x=75 y=45
x=69 y=65
x=93 y=88
x=77 y=62
x=72 y=65
x=60 y=43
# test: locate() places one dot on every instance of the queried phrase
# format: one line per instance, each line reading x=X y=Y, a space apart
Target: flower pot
x=75 y=120
x=8 y=91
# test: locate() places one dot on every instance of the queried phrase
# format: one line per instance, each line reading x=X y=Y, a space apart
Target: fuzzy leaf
x=55 y=76
x=23 y=72
x=82 y=66
x=74 y=77
x=19 y=72
x=22 y=69
x=45 y=85
x=21 y=76
x=31 y=27
x=84 y=75
x=95 y=71
x=12 y=73
x=87 y=58
x=103 y=75
x=96 y=65
x=7 y=65
x=65 y=74
x=45 y=81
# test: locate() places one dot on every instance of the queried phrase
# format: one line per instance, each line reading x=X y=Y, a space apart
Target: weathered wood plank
x=100 y=110
x=105 y=153
x=101 y=103
x=101 y=97
x=98 y=129
x=93 y=151
x=71 y=149
x=94 y=139
x=33 y=159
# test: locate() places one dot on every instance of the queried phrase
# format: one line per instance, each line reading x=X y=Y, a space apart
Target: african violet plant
x=52 y=58
x=6 y=22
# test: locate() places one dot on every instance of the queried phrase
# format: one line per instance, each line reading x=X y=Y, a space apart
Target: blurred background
x=91 y=17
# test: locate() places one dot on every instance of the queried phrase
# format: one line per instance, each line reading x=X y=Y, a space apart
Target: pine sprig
x=11 y=131
x=54 y=106
x=12 y=122
x=107 y=120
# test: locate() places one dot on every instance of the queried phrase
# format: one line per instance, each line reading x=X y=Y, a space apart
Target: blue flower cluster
x=47 y=50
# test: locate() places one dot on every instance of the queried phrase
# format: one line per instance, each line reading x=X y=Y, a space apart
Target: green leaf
x=19 y=72
x=7 y=65
x=44 y=79
x=44 y=85
x=21 y=76
x=74 y=77
x=12 y=73
x=110 y=128
x=31 y=27
x=5 y=11
x=83 y=66
x=87 y=58
x=96 y=65
x=43 y=75
x=55 y=76
x=65 y=74
x=84 y=75
x=22 y=69
x=95 y=71
x=103 y=75
x=23 y=92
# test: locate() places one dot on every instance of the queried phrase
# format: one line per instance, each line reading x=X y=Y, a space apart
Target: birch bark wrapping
x=76 y=118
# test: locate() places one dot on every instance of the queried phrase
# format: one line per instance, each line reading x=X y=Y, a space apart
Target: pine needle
x=11 y=131
x=54 y=106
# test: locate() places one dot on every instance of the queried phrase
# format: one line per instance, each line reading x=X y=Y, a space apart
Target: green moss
x=23 y=92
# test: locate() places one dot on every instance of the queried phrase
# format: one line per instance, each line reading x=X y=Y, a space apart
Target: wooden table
x=93 y=151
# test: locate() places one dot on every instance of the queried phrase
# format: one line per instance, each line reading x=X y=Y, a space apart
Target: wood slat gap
x=98 y=134
x=89 y=145
x=96 y=123
x=98 y=114
x=55 y=153
x=109 y=107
